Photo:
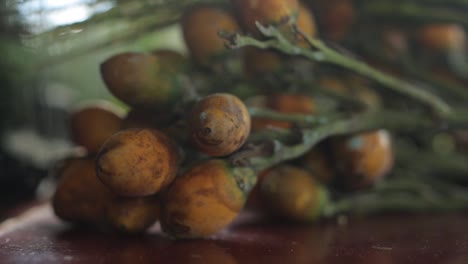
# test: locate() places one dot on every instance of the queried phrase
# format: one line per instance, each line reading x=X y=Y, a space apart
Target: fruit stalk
x=323 y=54
x=394 y=121
x=399 y=195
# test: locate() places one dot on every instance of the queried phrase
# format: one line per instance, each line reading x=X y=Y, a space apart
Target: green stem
x=451 y=166
x=437 y=82
x=300 y=119
x=389 y=81
x=371 y=120
x=340 y=97
x=401 y=195
x=362 y=122
x=327 y=55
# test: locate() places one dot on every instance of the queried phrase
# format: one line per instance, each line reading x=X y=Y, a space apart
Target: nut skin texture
x=137 y=162
x=442 y=37
x=200 y=27
x=363 y=159
x=202 y=201
x=293 y=194
x=142 y=80
x=285 y=103
x=133 y=215
x=80 y=197
x=91 y=124
x=219 y=124
x=282 y=13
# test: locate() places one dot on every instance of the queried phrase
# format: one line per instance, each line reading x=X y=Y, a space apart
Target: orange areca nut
x=205 y=199
x=92 y=123
x=306 y=23
x=133 y=215
x=142 y=80
x=280 y=13
x=285 y=103
x=80 y=196
x=363 y=159
x=201 y=26
x=292 y=193
x=137 y=162
x=219 y=124
x=442 y=37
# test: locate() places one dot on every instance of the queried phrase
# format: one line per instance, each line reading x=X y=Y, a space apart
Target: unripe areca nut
x=137 y=162
x=219 y=124
x=142 y=80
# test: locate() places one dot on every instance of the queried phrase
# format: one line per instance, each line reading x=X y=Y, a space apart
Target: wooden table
x=38 y=237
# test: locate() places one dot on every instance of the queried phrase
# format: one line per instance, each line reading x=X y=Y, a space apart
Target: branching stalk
x=322 y=53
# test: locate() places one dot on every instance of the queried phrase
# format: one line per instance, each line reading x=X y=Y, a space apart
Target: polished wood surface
x=38 y=237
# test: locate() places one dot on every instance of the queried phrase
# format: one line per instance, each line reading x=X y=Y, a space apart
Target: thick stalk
x=300 y=119
x=361 y=122
x=322 y=53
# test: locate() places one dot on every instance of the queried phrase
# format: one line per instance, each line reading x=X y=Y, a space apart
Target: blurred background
x=50 y=52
